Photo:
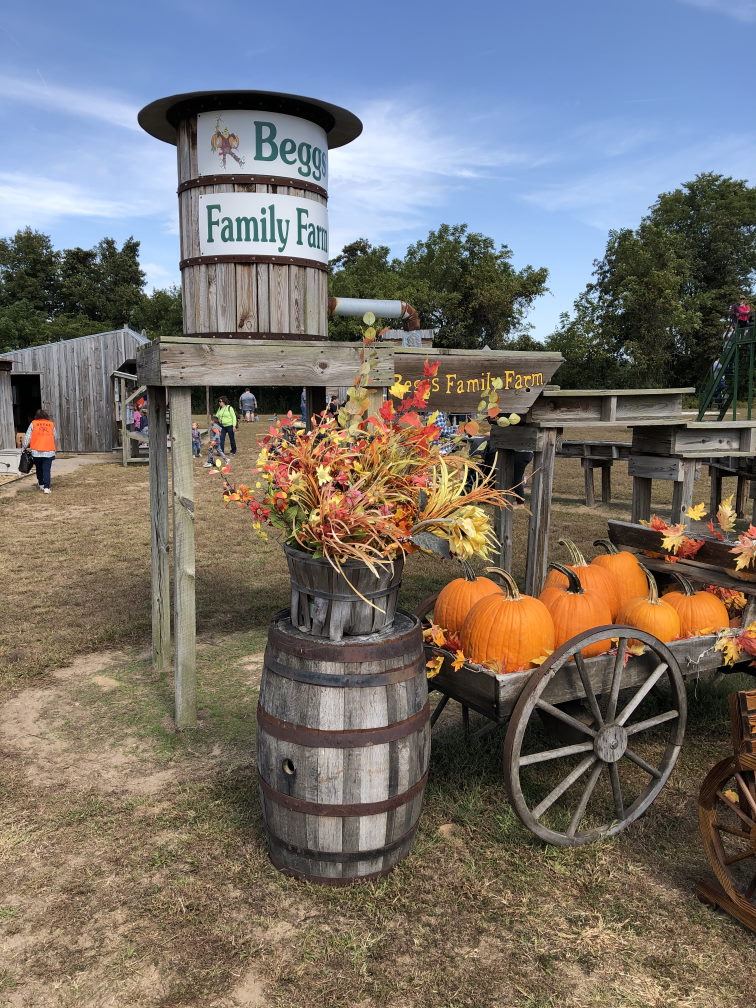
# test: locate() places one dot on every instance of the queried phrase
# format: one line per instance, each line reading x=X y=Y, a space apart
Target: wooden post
x=207 y=405
x=375 y=398
x=537 y=560
x=741 y=494
x=590 y=496
x=125 y=439
x=503 y=516
x=606 y=482
x=715 y=475
x=161 y=582
x=641 y=501
x=682 y=492
x=183 y=558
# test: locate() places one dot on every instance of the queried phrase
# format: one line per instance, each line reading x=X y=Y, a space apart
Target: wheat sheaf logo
x=224 y=144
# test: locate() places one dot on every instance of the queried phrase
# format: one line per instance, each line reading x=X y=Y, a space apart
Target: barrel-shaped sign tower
x=253 y=219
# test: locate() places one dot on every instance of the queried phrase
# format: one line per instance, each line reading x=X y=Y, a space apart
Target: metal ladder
x=732 y=380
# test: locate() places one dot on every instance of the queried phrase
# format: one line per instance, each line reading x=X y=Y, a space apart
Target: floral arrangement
x=370 y=484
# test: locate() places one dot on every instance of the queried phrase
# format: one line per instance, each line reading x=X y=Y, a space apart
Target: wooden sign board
x=464 y=376
x=315 y=364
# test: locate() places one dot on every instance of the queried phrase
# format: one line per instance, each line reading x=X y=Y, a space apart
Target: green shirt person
x=227 y=419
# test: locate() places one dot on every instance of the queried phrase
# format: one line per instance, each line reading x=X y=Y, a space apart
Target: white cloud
x=740 y=10
x=48 y=199
x=159 y=277
x=614 y=196
x=69 y=101
x=404 y=163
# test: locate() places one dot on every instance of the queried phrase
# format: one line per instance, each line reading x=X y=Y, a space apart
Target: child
x=196 y=441
x=213 y=447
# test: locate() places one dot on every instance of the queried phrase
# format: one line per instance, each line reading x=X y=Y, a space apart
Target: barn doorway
x=27 y=399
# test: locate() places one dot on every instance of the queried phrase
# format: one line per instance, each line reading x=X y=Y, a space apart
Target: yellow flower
x=470 y=534
x=323 y=475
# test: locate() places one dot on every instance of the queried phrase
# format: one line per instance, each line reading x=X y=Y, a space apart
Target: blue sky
x=541 y=124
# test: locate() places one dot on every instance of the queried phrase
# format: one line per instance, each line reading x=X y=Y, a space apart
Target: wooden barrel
x=343 y=744
x=253 y=223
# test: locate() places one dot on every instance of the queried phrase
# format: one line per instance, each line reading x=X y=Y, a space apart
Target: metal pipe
x=383 y=309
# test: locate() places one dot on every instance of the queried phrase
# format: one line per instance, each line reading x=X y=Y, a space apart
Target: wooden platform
x=621 y=407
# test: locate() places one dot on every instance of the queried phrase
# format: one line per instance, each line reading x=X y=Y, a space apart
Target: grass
x=135 y=868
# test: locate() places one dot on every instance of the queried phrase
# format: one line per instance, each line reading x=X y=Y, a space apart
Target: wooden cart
x=589 y=743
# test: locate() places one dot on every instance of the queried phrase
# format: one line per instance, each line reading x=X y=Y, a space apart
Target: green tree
x=713 y=219
x=458 y=281
x=653 y=316
x=362 y=270
x=103 y=283
x=161 y=314
x=21 y=325
x=469 y=289
x=29 y=272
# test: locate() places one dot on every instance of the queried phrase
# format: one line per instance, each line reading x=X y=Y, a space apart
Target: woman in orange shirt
x=40 y=440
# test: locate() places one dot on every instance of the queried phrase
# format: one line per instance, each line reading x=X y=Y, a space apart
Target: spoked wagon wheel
x=727 y=821
x=624 y=741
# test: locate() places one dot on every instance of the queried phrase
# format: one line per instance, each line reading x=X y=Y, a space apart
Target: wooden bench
x=595 y=455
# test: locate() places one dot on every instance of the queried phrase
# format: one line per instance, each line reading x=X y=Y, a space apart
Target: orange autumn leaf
x=729 y=648
x=696 y=512
x=434 y=635
x=726 y=514
x=689 y=548
x=459 y=661
x=745 y=551
x=673 y=538
x=433 y=666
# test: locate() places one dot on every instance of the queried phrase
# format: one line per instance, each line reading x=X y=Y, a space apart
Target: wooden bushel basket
x=343 y=744
x=325 y=604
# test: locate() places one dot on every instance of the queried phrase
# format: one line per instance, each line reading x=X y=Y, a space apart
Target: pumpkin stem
x=653 y=591
x=469 y=573
x=609 y=547
x=686 y=586
x=509 y=587
x=574 y=587
x=576 y=557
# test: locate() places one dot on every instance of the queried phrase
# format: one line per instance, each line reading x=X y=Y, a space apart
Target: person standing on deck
x=227 y=419
x=40 y=440
x=743 y=313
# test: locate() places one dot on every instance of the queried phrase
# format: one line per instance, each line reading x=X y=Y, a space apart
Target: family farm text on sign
x=463 y=378
x=263 y=224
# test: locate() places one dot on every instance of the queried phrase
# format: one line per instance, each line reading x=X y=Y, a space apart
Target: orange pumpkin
x=650 y=613
x=457 y=598
x=575 y=609
x=699 y=611
x=591 y=576
x=507 y=630
x=629 y=579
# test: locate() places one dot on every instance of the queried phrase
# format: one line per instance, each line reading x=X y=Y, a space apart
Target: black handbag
x=26 y=462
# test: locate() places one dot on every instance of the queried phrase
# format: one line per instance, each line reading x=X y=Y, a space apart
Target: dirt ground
x=134 y=864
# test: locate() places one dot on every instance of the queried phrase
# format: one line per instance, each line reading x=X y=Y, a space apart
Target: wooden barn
x=72 y=380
